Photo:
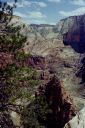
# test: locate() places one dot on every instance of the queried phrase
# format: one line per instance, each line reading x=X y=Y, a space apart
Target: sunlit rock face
x=78 y=121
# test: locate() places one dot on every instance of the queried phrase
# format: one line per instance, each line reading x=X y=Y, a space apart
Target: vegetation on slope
x=17 y=79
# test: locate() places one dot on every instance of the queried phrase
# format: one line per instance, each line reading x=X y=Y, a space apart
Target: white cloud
x=78 y=11
x=25 y=3
x=20 y=14
x=32 y=17
x=21 y=4
x=11 y=4
x=36 y=21
x=36 y=15
x=54 y=1
x=52 y=23
x=78 y=2
x=40 y=4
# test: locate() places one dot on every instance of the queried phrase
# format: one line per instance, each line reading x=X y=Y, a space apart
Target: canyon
x=49 y=41
x=54 y=50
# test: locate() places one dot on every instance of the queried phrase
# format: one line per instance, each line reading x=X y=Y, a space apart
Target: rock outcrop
x=78 y=121
x=60 y=106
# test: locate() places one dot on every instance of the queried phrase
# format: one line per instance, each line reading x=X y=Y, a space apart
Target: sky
x=47 y=11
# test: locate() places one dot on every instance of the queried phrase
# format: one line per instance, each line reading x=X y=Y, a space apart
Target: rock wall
x=73 y=31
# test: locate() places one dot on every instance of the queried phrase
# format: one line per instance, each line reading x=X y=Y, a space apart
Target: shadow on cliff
x=55 y=107
x=76 y=41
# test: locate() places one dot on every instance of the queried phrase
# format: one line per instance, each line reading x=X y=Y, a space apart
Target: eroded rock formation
x=60 y=108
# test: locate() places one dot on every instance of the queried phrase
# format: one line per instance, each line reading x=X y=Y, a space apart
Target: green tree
x=5 y=10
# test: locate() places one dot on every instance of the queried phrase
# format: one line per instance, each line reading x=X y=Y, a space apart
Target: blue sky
x=48 y=11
